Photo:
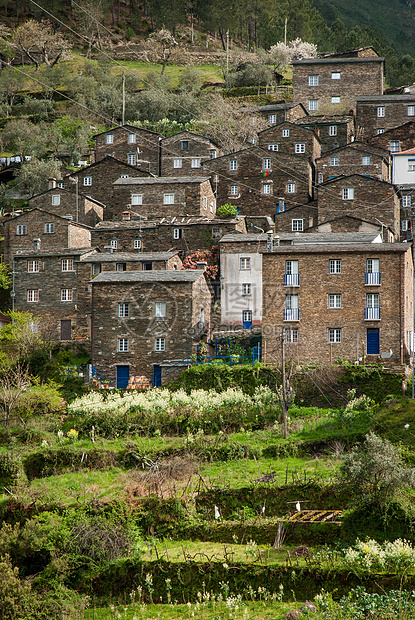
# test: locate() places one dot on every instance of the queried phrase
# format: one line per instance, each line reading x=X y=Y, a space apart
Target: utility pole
x=284 y=385
x=123 y=98
x=227 y=51
x=285 y=31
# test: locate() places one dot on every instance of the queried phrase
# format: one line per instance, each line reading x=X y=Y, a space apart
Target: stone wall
x=146 y=147
x=275 y=138
x=179 y=161
x=65 y=203
x=350 y=160
x=377 y=114
x=403 y=134
x=333 y=132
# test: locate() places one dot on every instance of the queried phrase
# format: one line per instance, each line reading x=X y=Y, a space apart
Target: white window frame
x=406 y=201
x=67 y=264
x=132 y=159
x=109 y=138
x=312 y=105
x=291 y=334
x=195 y=162
x=335 y=99
x=212 y=153
x=285 y=133
x=348 y=193
x=380 y=111
x=123 y=345
x=266 y=189
x=290 y=188
x=56 y=200
x=21 y=229
x=299 y=147
x=373 y=265
x=332 y=130
x=233 y=164
x=177 y=162
x=132 y=138
x=66 y=294
x=246 y=288
x=114 y=244
x=272 y=119
x=137 y=244
x=313 y=80
x=247 y=316
x=365 y=160
x=334 y=161
x=121 y=267
x=266 y=163
x=334 y=300
x=394 y=146
x=160 y=310
x=410 y=110
x=405 y=225
x=372 y=300
x=273 y=147
x=334 y=335
x=177 y=233
x=168 y=199
x=234 y=190
x=32 y=266
x=87 y=181
x=216 y=233
x=49 y=228
x=297 y=225
x=335 y=265
x=32 y=295
x=245 y=263
x=335 y=75
x=160 y=344
x=380 y=130
x=123 y=310
x=136 y=200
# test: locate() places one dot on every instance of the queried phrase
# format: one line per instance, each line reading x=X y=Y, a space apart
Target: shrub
x=227 y=210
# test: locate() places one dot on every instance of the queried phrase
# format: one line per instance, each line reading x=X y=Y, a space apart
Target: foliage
x=281 y=55
x=41 y=43
x=369 y=556
x=359 y=604
x=40 y=399
x=33 y=175
x=220 y=377
x=227 y=210
x=211 y=257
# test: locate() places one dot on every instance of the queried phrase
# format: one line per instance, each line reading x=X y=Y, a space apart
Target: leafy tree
x=24 y=138
x=227 y=210
x=33 y=175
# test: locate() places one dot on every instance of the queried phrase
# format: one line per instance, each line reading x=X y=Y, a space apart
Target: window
x=87 y=181
x=406 y=201
x=177 y=233
x=168 y=199
x=216 y=233
x=285 y=133
x=313 y=80
x=334 y=161
x=244 y=263
x=32 y=295
x=160 y=310
x=312 y=104
x=177 y=162
x=373 y=265
x=291 y=267
x=122 y=345
x=300 y=148
x=266 y=164
x=114 y=244
x=380 y=130
x=147 y=266
x=234 y=190
x=185 y=145
x=272 y=119
x=160 y=344
x=96 y=269
x=372 y=300
x=109 y=138
x=348 y=193
x=320 y=178
x=335 y=99
x=132 y=159
x=335 y=301
x=66 y=294
x=266 y=188
x=380 y=111
x=280 y=208
x=332 y=130
x=195 y=162
x=335 y=76
x=247 y=316
x=366 y=161
x=32 y=266
x=394 y=146
x=56 y=200
x=290 y=188
x=67 y=264
x=335 y=265
x=273 y=147
x=125 y=176
x=405 y=225
x=49 y=228
x=411 y=165
x=36 y=244
x=121 y=267
x=410 y=110
x=21 y=229
x=233 y=164
x=291 y=302
x=212 y=153
x=335 y=334
x=60 y=184
x=132 y=138
x=137 y=244
x=291 y=335
x=297 y=225
x=136 y=199
x=246 y=289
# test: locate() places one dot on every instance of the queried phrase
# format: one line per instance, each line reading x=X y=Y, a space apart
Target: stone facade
x=353 y=159
x=397 y=139
x=351 y=224
x=275 y=113
x=375 y=115
x=183 y=234
x=290 y=139
x=131 y=145
x=362 y=197
x=297 y=219
x=331 y=85
x=164 y=314
x=67 y=204
x=333 y=131
x=183 y=154
x=341 y=308
x=256 y=180
x=43 y=230
x=97 y=180
x=164 y=197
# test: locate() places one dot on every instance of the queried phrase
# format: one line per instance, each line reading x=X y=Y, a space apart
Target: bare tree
x=40 y=44
x=13 y=382
x=166 y=44
x=90 y=14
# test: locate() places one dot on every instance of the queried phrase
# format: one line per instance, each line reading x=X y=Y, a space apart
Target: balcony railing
x=292 y=279
x=372 y=278
x=291 y=314
x=372 y=314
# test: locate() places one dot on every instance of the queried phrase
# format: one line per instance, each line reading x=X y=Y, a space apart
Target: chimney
x=51 y=183
x=202 y=265
x=126 y=216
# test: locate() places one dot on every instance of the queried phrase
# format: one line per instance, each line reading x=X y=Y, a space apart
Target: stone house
x=40 y=230
x=129 y=261
x=403 y=176
x=96 y=180
x=400 y=138
x=261 y=182
x=132 y=145
x=290 y=139
x=346 y=302
x=275 y=113
x=144 y=322
x=352 y=224
x=330 y=85
x=184 y=234
x=333 y=131
x=183 y=154
x=297 y=219
x=377 y=114
x=164 y=197
x=355 y=158
x=69 y=204
x=359 y=196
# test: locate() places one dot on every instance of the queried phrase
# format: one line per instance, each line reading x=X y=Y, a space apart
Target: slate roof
x=113 y=257
x=126 y=277
x=159 y=180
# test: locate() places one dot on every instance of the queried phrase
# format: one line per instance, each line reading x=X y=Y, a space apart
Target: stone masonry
x=290 y=139
x=397 y=139
x=333 y=131
x=183 y=154
x=353 y=159
x=374 y=115
x=66 y=203
x=276 y=113
x=131 y=145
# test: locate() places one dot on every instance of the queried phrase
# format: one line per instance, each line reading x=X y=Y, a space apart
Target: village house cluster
x=319 y=254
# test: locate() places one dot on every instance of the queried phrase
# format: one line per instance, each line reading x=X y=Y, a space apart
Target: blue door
x=247 y=319
x=373 y=341
x=123 y=376
x=157 y=376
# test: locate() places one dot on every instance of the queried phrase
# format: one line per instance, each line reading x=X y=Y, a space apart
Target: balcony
x=291 y=314
x=291 y=279
x=372 y=279
x=372 y=314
